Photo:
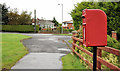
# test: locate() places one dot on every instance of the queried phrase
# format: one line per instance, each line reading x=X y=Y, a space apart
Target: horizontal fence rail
x=111 y=50
x=99 y=54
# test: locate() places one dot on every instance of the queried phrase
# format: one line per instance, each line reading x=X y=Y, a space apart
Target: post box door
x=94 y=27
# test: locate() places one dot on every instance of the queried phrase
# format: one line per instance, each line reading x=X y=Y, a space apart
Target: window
x=72 y=25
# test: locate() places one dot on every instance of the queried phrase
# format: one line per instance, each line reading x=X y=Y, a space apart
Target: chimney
x=114 y=35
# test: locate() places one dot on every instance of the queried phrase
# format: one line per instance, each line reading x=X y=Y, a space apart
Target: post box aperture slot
x=83 y=16
x=84 y=23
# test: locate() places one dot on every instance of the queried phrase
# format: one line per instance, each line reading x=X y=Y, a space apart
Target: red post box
x=94 y=27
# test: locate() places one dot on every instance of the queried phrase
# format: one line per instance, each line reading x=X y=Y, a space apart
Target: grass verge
x=72 y=62
x=64 y=34
x=70 y=41
x=12 y=49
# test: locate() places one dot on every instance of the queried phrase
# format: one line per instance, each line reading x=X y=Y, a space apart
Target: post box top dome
x=85 y=10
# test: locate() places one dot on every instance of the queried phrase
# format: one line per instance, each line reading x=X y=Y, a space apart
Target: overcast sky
x=45 y=8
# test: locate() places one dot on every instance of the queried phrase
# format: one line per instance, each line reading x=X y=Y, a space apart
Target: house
x=68 y=24
x=1 y=22
x=44 y=23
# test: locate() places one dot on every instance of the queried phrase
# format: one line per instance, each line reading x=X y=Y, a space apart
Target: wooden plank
x=74 y=41
x=82 y=49
x=108 y=49
x=80 y=40
x=111 y=50
x=99 y=53
x=109 y=65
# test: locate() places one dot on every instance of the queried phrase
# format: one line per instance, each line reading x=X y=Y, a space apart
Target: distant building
x=44 y=23
x=68 y=24
x=1 y=22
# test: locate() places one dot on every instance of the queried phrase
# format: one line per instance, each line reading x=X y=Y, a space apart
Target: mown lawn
x=12 y=49
x=64 y=34
x=70 y=41
x=72 y=62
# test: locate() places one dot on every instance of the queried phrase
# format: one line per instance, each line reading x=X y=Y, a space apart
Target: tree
x=0 y=13
x=25 y=18
x=55 y=21
x=77 y=13
x=4 y=14
x=112 y=10
x=15 y=19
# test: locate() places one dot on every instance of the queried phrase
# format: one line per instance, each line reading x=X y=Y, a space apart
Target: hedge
x=19 y=28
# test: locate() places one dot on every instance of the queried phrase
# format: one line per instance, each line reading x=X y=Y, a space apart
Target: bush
x=65 y=29
x=49 y=30
x=70 y=30
x=40 y=28
x=19 y=28
x=109 y=57
x=111 y=42
x=59 y=29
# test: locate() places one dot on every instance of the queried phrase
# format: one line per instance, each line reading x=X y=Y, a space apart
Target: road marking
x=63 y=49
x=62 y=55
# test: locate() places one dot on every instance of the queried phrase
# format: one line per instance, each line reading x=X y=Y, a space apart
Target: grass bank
x=72 y=62
x=64 y=34
x=12 y=49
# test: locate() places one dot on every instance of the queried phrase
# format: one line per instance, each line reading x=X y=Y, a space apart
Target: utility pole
x=35 y=21
x=62 y=17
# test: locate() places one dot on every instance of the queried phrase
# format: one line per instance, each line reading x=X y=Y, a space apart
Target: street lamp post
x=62 y=17
x=35 y=21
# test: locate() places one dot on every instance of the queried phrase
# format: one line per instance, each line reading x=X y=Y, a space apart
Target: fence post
x=99 y=53
x=114 y=35
x=74 y=33
x=80 y=43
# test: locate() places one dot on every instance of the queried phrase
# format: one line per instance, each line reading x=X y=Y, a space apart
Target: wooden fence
x=99 y=54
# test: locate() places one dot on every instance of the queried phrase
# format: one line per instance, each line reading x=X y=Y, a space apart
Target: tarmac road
x=45 y=52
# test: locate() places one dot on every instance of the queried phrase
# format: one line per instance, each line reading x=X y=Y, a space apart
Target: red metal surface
x=94 y=27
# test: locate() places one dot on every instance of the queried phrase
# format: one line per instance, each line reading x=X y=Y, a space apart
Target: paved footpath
x=45 y=52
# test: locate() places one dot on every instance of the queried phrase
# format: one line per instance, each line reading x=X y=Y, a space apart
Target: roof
x=68 y=21
x=46 y=22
